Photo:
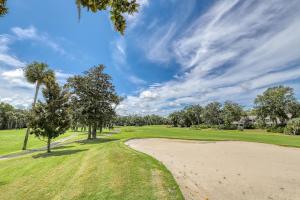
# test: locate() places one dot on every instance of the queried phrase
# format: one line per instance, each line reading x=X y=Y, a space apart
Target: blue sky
x=173 y=53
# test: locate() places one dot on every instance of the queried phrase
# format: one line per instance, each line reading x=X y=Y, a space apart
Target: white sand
x=228 y=170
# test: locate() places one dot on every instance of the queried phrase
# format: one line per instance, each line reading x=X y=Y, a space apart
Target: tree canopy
x=3 y=8
x=277 y=103
x=50 y=119
x=95 y=98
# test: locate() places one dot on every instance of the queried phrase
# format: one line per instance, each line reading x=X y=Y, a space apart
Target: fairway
x=11 y=141
x=107 y=168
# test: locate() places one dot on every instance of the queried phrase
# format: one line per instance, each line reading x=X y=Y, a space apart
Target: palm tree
x=35 y=73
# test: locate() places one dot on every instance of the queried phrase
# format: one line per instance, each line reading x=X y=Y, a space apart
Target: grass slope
x=12 y=140
x=102 y=169
x=107 y=168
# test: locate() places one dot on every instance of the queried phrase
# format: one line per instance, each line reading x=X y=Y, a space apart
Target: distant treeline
x=11 y=117
x=277 y=110
x=135 y=120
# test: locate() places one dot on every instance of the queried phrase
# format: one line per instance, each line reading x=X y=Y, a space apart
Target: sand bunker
x=228 y=170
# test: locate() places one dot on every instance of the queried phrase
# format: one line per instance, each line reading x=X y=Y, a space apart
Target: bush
x=227 y=127
x=199 y=127
x=275 y=129
x=293 y=127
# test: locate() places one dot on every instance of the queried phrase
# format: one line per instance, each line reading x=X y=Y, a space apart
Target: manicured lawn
x=107 y=168
x=255 y=135
x=12 y=140
x=104 y=169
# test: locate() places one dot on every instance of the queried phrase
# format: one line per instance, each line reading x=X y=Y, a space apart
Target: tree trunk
x=89 y=132
x=33 y=105
x=49 y=145
x=94 y=131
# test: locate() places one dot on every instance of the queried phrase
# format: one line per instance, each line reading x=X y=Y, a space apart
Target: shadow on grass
x=3 y=183
x=96 y=141
x=63 y=147
x=58 y=153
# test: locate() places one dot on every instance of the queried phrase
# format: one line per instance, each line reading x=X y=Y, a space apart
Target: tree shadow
x=96 y=141
x=58 y=153
x=63 y=147
x=3 y=183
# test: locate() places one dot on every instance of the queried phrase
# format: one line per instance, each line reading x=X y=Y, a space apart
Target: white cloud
x=136 y=80
x=233 y=51
x=5 y=57
x=14 y=87
x=31 y=33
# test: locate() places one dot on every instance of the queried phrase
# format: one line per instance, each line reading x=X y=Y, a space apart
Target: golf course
x=107 y=168
x=149 y=100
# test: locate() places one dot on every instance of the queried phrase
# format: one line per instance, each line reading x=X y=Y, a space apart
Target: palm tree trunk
x=33 y=105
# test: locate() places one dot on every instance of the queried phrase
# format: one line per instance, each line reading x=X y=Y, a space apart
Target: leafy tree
x=3 y=8
x=175 y=118
x=36 y=73
x=95 y=95
x=231 y=112
x=277 y=103
x=293 y=127
x=51 y=118
x=117 y=9
x=212 y=113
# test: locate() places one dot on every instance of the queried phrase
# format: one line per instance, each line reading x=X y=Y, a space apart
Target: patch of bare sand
x=228 y=170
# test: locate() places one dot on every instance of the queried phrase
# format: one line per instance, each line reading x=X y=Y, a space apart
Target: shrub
x=200 y=126
x=293 y=127
x=227 y=127
x=275 y=129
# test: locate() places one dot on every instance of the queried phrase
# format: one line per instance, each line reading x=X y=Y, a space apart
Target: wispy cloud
x=31 y=33
x=5 y=57
x=233 y=51
x=119 y=57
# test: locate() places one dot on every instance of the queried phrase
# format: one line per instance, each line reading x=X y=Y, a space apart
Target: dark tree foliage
x=36 y=73
x=117 y=9
x=135 y=120
x=277 y=103
x=231 y=112
x=51 y=118
x=94 y=99
x=11 y=117
x=212 y=113
x=3 y=8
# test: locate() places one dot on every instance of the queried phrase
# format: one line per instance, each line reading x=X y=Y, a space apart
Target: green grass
x=107 y=168
x=255 y=135
x=12 y=140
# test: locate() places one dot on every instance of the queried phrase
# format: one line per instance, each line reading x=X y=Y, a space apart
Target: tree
x=231 y=112
x=12 y=118
x=293 y=127
x=212 y=113
x=3 y=8
x=51 y=118
x=36 y=73
x=117 y=9
x=95 y=94
x=276 y=103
